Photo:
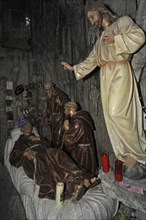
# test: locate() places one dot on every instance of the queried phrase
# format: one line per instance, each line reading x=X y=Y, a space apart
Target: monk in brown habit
x=79 y=140
x=46 y=165
x=56 y=98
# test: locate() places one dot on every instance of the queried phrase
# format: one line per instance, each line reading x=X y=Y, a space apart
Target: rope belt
x=84 y=146
x=34 y=178
x=33 y=146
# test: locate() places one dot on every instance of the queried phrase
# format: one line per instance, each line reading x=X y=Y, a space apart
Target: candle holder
x=105 y=163
x=118 y=171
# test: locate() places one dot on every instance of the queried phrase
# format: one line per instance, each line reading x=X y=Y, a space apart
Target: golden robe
x=120 y=99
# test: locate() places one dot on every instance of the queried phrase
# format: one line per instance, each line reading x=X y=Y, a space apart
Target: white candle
x=59 y=193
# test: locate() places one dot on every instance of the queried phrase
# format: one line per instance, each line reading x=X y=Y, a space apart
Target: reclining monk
x=46 y=165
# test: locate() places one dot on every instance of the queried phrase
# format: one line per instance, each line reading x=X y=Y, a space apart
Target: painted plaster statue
x=56 y=98
x=47 y=165
x=119 y=39
x=78 y=139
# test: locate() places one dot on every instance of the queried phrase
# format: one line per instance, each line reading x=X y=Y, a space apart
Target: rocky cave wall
x=59 y=32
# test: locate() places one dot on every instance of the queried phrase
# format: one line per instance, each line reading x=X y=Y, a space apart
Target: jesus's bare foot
x=129 y=161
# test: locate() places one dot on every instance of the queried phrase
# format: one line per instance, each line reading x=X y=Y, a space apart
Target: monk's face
x=27 y=129
x=66 y=111
x=95 y=18
x=69 y=111
x=49 y=90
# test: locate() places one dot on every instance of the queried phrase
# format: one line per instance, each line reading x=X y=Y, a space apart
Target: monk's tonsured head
x=70 y=108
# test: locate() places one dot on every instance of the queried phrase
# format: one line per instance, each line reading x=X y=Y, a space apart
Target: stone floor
x=11 y=207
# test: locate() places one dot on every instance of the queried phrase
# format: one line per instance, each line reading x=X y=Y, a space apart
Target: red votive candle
x=105 y=163
x=118 y=171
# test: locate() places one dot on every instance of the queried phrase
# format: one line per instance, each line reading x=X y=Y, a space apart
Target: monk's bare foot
x=89 y=182
x=93 y=179
x=129 y=162
x=79 y=191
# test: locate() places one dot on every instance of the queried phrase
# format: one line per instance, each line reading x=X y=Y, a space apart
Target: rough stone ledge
x=113 y=189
